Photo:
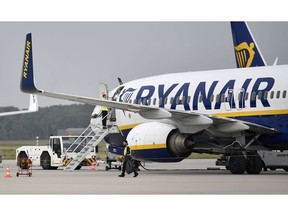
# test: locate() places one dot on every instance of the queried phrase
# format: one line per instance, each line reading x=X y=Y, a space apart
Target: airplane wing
x=33 y=107
x=188 y=122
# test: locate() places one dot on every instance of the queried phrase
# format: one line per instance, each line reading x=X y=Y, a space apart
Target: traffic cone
x=93 y=166
x=8 y=173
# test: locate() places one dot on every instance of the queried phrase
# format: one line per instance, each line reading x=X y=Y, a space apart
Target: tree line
x=45 y=122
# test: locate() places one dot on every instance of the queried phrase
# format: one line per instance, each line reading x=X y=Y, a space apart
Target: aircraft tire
x=254 y=163
x=237 y=163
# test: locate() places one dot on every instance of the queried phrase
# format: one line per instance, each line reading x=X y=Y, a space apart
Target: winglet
x=275 y=62
x=246 y=50
x=120 y=81
x=27 y=77
x=33 y=105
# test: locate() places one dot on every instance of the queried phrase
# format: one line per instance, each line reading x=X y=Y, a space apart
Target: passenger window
x=278 y=94
x=154 y=101
x=135 y=101
x=217 y=98
x=240 y=96
x=284 y=94
x=259 y=95
x=223 y=98
x=200 y=98
x=265 y=95
x=183 y=99
x=160 y=100
x=212 y=98
x=272 y=94
x=228 y=97
x=145 y=101
x=253 y=96
x=246 y=95
x=171 y=100
x=189 y=98
x=177 y=100
x=149 y=101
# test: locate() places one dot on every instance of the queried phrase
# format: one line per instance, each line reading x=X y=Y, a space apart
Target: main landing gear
x=241 y=160
x=238 y=163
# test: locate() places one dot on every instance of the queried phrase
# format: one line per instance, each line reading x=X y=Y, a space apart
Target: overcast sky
x=74 y=57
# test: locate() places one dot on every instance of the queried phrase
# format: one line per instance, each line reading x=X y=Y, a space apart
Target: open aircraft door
x=103 y=89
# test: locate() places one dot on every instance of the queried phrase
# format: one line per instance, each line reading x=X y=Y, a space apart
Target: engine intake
x=180 y=145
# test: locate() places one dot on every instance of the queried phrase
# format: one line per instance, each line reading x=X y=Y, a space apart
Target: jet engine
x=161 y=142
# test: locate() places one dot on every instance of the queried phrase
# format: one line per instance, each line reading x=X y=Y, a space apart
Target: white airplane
x=167 y=117
x=33 y=107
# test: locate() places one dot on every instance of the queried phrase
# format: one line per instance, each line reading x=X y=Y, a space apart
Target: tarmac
x=188 y=187
x=188 y=177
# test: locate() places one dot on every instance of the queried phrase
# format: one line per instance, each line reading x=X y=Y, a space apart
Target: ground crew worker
x=127 y=156
x=104 y=112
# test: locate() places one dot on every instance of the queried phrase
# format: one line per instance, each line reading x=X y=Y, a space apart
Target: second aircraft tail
x=247 y=53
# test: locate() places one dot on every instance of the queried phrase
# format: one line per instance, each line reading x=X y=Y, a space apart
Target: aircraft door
x=240 y=99
x=103 y=89
x=229 y=100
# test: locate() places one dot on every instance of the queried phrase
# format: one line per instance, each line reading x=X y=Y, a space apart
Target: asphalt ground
x=187 y=177
x=191 y=186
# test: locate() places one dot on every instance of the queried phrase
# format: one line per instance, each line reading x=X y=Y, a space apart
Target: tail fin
x=33 y=105
x=247 y=53
x=27 y=77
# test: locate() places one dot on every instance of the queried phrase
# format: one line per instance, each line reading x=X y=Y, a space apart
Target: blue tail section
x=27 y=78
x=247 y=53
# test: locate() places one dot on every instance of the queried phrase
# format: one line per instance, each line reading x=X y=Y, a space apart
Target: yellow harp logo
x=245 y=54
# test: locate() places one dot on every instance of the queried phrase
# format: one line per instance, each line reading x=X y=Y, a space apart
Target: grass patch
x=203 y=156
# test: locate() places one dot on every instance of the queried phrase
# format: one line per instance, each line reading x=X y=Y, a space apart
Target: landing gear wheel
x=237 y=163
x=254 y=163
x=106 y=168
x=286 y=169
x=30 y=174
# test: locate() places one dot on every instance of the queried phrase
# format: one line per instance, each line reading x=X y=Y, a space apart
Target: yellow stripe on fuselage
x=147 y=146
x=252 y=113
x=126 y=127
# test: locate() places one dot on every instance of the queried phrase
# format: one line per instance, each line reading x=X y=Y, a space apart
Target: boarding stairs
x=81 y=155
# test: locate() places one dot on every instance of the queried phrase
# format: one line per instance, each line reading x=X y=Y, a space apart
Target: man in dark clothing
x=127 y=156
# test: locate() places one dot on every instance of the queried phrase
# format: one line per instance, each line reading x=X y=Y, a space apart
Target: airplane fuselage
x=258 y=96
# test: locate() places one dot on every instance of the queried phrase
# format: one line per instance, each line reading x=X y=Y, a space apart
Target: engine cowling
x=156 y=141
